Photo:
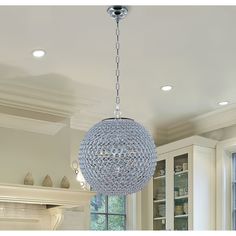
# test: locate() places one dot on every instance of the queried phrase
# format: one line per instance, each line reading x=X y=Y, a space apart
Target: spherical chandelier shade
x=117 y=156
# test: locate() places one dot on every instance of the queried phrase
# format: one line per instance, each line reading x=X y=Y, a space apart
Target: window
x=234 y=193
x=108 y=212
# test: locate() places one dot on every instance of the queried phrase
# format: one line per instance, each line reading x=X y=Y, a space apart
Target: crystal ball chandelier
x=117 y=155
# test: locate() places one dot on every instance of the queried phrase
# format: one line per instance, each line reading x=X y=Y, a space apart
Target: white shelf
x=159 y=177
x=160 y=218
x=181 y=216
x=181 y=197
x=181 y=172
x=161 y=200
x=44 y=195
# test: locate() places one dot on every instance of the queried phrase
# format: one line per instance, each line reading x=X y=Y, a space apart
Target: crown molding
x=42 y=99
x=74 y=103
x=193 y=140
x=211 y=121
x=220 y=118
x=30 y=125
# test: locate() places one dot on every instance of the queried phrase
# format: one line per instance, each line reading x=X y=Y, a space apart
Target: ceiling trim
x=44 y=100
x=207 y=122
x=30 y=125
x=220 y=118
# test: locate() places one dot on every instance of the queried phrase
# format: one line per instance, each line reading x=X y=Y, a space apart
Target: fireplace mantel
x=44 y=195
x=41 y=203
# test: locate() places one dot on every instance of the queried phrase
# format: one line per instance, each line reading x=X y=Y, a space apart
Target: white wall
x=75 y=138
x=22 y=151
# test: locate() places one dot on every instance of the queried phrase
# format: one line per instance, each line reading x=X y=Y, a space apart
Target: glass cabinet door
x=159 y=196
x=181 y=192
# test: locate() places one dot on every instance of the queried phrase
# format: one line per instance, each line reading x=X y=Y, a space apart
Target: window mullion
x=107 y=212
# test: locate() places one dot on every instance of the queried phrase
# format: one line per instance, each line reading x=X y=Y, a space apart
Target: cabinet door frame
x=162 y=157
x=170 y=186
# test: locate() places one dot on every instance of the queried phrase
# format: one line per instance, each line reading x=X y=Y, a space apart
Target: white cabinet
x=181 y=195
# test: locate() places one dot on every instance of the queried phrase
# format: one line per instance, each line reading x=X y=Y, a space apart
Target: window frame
x=107 y=214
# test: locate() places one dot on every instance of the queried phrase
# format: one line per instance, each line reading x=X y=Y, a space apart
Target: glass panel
x=181 y=192
x=181 y=223
x=116 y=204
x=159 y=210
x=181 y=185
x=181 y=163
x=183 y=209
x=159 y=191
x=160 y=169
x=159 y=196
x=159 y=224
x=98 y=222
x=116 y=222
x=98 y=204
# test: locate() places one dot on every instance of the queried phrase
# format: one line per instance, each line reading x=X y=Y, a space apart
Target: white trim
x=213 y=120
x=33 y=95
x=194 y=140
x=133 y=212
x=224 y=152
x=169 y=197
x=44 y=195
x=29 y=124
x=217 y=119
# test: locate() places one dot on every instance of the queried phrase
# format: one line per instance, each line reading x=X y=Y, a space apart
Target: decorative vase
x=47 y=182
x=28 y=180
x=65 y=182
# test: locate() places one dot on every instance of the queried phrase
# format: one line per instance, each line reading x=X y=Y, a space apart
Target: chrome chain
x=117 y=111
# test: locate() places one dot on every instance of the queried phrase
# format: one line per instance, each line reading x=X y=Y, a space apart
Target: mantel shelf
x=44 y=195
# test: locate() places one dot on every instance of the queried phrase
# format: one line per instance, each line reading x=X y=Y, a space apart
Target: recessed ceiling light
x=166 y=88
x=38 y=53
x=224 y=103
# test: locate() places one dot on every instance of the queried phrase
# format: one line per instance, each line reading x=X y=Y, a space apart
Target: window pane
x=98 y=222
x=98 y=204
x=116 y=204
x=116 y=222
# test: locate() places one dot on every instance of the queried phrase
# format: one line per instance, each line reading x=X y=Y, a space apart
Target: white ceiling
x=192 y=48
